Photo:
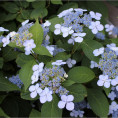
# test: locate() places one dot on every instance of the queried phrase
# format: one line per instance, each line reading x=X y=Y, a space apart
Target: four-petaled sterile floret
x=35 y=89
x=96 y=26
x=29 y=45
x=46 y=95
x=104 y=81
x=66 y=101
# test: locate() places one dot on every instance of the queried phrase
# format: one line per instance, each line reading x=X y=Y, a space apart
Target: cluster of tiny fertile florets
x=109 y=63
x=20 y=38
x=77 y=20
x=52 y=78
x=49 y=81
x=16 y=80
x=100 y=35
x=75 y=23
x=22 y=35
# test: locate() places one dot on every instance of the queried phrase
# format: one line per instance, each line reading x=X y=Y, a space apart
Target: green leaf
x=1 y=62
x=115 y=40
x=35 y=113
x=107 y=90
x=23 y=59
x=98 y=102
x=10 y=7
x=64 y=45
x=67 y=6
x=39 y=4
x=10 y=106
x=77 y=56
x=9 y=54
x=85 y=62
x=50 y=109
x=56 y=2
x=42 y=51
x=2 y=97
x=39 y=13
x=88 y=47
x=26 y=96
x=44 y=59
x=10 y=17
x=1 y=44
x=68 y=83
x=55 y=21
x=2 y=114
x=37 y=33
x=3 y=16
x=62 y=56
x=23 y=4
x=89 y=34
x=26 y=73
x=49 y=64
x=11 y=25
x=13 y=45
x=25 y=14
x=81 y=74
x=5 y=85
x=19 y=18
x=78 y=91
x=14 y=106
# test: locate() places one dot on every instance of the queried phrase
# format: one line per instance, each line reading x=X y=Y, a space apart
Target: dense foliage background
x=19 y=104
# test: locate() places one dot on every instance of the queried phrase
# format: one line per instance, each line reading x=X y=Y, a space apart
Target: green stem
x=35 y=56
x=74 y=49
x=48 y=4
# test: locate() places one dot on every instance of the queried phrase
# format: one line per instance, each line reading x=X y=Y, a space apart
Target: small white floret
x=38 y=68
x=5 y=41
x=109 y=28
x=66 y=101
x=104 y=81
x=57 y=29
x=96 y=26
x=34 y=78
x=66 y=31
x=50 y=49
x=29 y=45
x=71 y=62
x=112 y=95
x=3 y=29
x=96 y=15
x=46 y=95
x=98 y=52
x=78 y=37
x=25 y=22
x=34 y=89
x=47 y=24
x=65 y=12
x=11 y=34
x=58 y=63
x=93 y=64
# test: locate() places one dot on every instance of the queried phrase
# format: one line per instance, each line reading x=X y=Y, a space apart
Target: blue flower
x=16 y=80
x=100 y=35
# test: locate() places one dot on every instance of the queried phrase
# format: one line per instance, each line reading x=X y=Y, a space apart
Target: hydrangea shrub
x=64 y=67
